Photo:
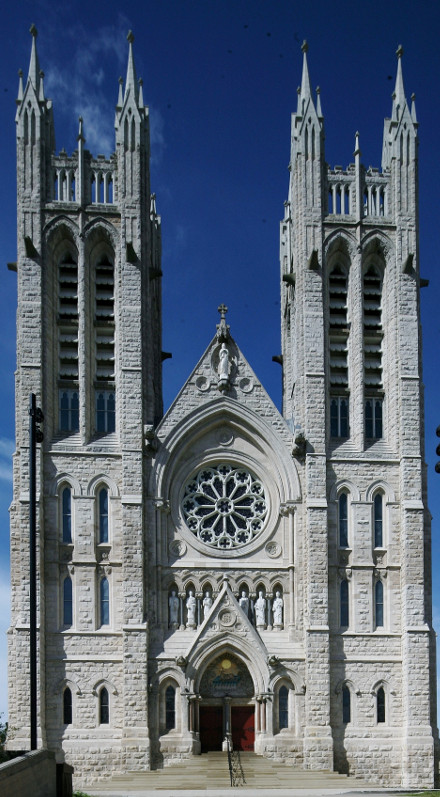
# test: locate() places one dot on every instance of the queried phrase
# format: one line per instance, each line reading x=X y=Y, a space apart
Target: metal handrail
x=236 y=773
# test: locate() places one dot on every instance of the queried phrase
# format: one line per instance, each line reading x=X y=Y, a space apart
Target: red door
x=211 y=728
x=243 y=727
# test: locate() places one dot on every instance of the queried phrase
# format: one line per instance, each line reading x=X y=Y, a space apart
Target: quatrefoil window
x=224 y=506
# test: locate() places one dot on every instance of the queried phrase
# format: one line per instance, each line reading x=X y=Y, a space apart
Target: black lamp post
x=35 y=436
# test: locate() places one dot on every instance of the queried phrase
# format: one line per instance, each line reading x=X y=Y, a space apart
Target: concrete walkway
x=243 y=792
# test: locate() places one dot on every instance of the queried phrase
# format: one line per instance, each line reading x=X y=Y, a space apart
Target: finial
x=41 y=96
x=318 y=102
x=304 y=46
x=130 y=36
x=357 y=150
x=120 y=95
x=80 y=129
x=222 y=327
x=20 y=85
x=222 y=309
x=33 y=31
x=399 y=51
x=413 y=108
x=141 y=94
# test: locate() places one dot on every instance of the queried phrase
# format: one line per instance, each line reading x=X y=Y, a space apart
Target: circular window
x=224 y=506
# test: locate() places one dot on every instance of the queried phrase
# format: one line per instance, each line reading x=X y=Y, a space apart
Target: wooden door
x=211 y=728
x=243 y=727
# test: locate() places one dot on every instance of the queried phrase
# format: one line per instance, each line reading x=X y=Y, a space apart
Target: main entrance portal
x=214 y=722
x=226 y=689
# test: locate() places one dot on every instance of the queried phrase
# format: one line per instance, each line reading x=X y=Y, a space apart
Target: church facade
x=223 y=573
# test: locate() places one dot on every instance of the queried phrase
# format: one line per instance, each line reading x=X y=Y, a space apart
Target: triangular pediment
x=223 y=377
x=228 y=623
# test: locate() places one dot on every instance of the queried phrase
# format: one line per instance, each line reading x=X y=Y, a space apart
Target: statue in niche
x=173 y=605
x=277 y=609
x=223 y=368
x=260 y=610
x=244 y=603
x=207 y=605
x=191 y=609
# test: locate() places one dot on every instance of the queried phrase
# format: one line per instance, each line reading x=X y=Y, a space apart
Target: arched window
x=170 y=708
x=380 y=704
x=373 y=340
x=67 y=320
x=67 y=602
x=344 y=608
x=67 y=706
x=103 y=515
x=105 y=346
x=104 y=601
x=104 y=707
x=378 y=604
x=343 y=520
x=346 y=705
x=378 y=520
x=283 y=708
x=338 y=349
x=66 y=505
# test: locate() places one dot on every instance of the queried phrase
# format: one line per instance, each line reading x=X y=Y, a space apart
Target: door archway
x=227 y=707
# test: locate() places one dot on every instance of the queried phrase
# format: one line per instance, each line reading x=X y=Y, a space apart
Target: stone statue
x=207 y=605
x=244 y=603
x=191 y=609
x=260 y=610
x=173 y=604
x=277 y=609
x=223 y=367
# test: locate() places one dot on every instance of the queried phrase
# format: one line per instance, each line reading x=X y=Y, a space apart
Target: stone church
x=223 y=573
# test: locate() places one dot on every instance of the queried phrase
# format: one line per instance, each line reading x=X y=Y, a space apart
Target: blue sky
x=220 y=77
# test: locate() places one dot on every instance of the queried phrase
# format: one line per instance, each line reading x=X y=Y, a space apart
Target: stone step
x=211 y=771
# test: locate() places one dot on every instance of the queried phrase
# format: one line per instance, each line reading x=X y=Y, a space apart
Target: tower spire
x=131 y=83
x=399 y=91
x=34 y=65
x=306 y=90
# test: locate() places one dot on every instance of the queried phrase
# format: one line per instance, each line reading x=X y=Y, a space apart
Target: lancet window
x=338 y=352
x=68 y=344
x=105 y=347
x=373 y=336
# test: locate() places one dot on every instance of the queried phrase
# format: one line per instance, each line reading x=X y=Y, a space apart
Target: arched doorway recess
x=227 y=707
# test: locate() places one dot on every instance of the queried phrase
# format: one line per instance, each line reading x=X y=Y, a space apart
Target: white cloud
x=7 y=448
x=78 y=86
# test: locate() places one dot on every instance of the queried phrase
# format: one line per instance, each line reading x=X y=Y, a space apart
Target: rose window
x=224 y=506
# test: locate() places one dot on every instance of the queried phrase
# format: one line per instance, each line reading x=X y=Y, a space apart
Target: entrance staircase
x=211 y=771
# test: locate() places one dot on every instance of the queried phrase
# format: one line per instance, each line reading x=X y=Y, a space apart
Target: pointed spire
x=20 y=86
x=80 y=136
x=399 y=91
x=318 y=102
x=34 y=66
x=357 y=149
x=120 y=95
x=141 y=94
x=306 y=91
x=413 y=108
x=131 y=83
x=41 y=94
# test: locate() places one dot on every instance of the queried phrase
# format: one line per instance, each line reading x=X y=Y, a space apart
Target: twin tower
x=223 y=571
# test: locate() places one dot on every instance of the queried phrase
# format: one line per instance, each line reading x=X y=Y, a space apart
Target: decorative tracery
x=224 y=506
